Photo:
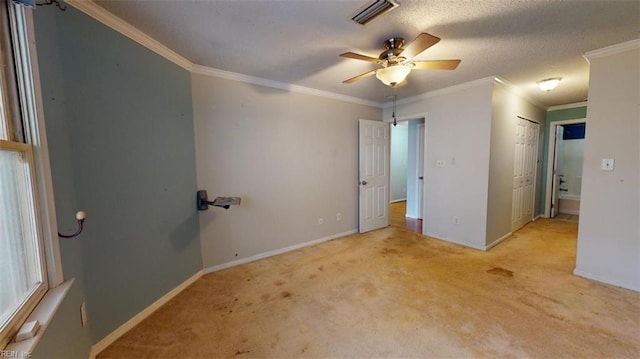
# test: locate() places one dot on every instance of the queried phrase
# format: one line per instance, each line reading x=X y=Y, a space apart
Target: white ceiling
x=298 y=42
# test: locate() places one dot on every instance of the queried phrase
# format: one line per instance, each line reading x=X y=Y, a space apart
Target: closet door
x=524 y=173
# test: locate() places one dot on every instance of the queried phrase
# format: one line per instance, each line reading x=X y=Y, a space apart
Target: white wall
x=507 y=105
x=609 y=233
x=399 y=148
x=458 y=130
x=293 y=158
x=412 y=169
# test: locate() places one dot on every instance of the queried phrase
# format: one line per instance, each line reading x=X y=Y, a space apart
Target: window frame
x=25 y=60
x=36 y=294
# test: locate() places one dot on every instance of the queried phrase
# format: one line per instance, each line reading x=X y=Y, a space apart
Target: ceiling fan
x=396 y=60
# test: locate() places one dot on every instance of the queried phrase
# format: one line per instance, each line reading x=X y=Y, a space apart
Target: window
x=21 y=255
x=26 y=246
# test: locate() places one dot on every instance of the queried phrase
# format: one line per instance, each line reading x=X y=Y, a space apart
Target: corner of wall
x=608 y=248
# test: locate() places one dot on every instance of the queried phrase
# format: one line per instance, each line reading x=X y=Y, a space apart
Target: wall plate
x=607 y=164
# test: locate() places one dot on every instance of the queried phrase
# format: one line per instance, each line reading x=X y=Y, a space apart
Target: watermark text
x=14 y=354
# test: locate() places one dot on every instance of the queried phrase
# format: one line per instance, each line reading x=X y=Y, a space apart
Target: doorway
x=564 y=171
x=407 y=177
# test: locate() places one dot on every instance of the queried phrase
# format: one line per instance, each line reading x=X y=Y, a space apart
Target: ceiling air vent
x=373 y=10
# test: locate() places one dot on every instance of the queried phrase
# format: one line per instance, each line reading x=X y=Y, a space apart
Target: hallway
x=397 y=218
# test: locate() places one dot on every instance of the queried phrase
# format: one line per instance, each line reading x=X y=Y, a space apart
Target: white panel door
x=374 y=175
x=524 y=173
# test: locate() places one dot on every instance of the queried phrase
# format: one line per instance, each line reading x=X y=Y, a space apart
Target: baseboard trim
x=455 y=241
x=276 y=252
x=399 y=200
x=534 y=219
x=499 y=240
x=607 y=280
x=570 y=212
x=129 y=324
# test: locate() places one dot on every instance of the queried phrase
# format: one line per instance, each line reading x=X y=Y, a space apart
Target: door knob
x=363 y=182
x=421 y=177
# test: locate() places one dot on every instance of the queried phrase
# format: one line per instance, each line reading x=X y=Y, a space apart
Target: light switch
x=607 y=164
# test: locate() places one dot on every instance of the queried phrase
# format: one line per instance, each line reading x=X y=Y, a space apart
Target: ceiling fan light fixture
x=393 y=75
x=549 y=84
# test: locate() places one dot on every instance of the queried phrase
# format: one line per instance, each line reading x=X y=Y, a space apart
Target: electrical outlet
x=456 y=220
x=338 y=216
x=83 y=314
x=320 y=220
x=441 y=163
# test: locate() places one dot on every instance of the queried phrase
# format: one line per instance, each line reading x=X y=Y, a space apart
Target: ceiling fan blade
x=359 y=77
x=353 y=55
x=400 y=84
x=436 y=65
x=421 y=43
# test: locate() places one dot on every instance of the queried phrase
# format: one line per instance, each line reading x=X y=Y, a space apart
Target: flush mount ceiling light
x=393 y=75
x=549 y=84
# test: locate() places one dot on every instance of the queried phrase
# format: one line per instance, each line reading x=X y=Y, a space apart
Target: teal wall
x=65 y=337
x=120 y=130
x=554 y=116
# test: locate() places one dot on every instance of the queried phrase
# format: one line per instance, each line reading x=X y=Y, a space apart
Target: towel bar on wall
x=224 y=202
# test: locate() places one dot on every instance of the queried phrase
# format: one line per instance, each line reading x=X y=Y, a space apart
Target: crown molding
x=234 y=76
x=443 y=91
x=101 y=14
x=467 y=85
x=518 y=92
x=613 y=49
x=568 y=106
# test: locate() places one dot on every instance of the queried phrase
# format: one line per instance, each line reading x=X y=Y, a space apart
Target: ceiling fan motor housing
x=393 y=49
x=394 y=43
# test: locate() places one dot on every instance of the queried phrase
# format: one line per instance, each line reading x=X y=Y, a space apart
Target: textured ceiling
x=298 y=42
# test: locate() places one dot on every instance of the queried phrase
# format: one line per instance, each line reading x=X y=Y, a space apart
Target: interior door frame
x=555 y=177
x=418 y=116
x=551 y=150
x=420 y=157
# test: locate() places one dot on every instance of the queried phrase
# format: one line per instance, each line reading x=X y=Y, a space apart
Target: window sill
x=44 y=312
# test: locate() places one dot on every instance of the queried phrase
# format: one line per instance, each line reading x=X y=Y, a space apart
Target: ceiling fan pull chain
x=395 y=123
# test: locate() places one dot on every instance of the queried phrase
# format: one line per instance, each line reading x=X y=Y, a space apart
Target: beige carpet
x=393 y=293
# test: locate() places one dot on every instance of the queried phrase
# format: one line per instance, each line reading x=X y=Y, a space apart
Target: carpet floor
x=394 y=293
